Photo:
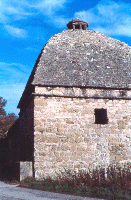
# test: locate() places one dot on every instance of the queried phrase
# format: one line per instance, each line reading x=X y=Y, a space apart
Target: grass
x=112 y=184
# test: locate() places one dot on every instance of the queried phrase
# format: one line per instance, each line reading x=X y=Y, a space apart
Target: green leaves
x=6 y=120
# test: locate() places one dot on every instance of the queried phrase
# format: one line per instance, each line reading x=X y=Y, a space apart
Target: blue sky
x=26 y=25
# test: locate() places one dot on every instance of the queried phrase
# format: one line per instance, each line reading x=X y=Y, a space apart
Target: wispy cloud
x=31 y=49
x=13 y=78
x=60 y=21
x=13 y=73
x=13 y=12
x=109 y=17
x=15 y=31
x=50 y=6
x=25 y=8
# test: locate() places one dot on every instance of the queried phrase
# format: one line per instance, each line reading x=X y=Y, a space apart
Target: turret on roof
x=77 y=24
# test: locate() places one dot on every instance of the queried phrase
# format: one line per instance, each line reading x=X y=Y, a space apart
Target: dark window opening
x=101 y=116
x=83 y=27
x=77 y=27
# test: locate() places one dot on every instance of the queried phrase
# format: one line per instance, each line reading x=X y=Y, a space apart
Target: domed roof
x=84 y=58
x=77 y=24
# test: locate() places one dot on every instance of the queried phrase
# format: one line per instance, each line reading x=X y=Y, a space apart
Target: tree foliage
x=6 y=120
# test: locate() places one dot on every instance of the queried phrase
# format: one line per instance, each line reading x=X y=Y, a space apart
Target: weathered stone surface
x=72 y=140
x=80 y=92
x=25 y=170
x=84 y=58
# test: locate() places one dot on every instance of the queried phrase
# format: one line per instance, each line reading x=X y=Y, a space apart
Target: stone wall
x=66 y=136
x=26 y=170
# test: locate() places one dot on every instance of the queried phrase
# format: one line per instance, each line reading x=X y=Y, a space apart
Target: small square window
x=101 y=116
x=77 y=27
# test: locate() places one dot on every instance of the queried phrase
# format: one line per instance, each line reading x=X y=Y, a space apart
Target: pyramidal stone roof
x=85 y=59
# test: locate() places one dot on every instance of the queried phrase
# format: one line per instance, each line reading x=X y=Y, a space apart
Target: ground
x=14 y=192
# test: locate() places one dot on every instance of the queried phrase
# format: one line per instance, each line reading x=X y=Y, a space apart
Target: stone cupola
x=77 y=24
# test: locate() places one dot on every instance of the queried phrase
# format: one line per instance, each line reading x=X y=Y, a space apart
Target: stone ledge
x=74 y=92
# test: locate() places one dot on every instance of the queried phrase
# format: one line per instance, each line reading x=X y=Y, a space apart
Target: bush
x=113 y=183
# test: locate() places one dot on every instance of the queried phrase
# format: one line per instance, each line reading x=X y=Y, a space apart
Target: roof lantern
x=77 y=24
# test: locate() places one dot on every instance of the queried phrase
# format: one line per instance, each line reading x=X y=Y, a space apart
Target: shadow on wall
x=8 y=171
x=15 y=161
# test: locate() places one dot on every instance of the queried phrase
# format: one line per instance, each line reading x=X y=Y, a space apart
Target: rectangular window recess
x=101 y=116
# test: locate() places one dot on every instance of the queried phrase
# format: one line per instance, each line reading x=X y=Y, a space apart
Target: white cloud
x=13 y=78
x=125 y=29
x=60 y=21
x=13 y=73
x=50 y=6
x=31 y=49
x=25 y=8
x=11 y=12
x=15 y=31
x=49 y=9
x=3 y=18
x=109 y=17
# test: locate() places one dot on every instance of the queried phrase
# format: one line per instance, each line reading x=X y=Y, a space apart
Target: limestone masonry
x=75 y=111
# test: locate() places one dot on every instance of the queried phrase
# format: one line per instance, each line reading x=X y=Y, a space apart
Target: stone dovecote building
x=75 y=111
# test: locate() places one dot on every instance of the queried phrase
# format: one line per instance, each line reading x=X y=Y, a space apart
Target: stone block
x=39 y=128
x=79 y=139
x=40 y=102
x=68 y=121
x=121 y=124
x=42 y=154
x=26 y=170
x=63 y=139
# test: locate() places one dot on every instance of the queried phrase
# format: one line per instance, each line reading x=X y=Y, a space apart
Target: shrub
x=113 y=183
